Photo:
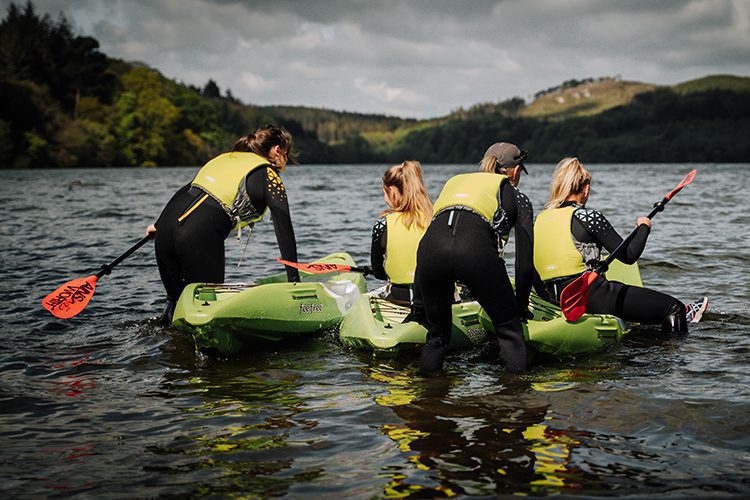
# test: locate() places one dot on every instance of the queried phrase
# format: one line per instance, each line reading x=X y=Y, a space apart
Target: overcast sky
x=414 y=58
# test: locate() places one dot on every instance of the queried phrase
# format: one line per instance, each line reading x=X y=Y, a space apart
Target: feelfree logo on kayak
x=310 y=308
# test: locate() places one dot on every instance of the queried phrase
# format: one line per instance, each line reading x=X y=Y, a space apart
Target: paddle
x=574 y=297
x=324 y=268
x=73 y=297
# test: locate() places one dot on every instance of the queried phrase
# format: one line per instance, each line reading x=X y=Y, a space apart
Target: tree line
x=659 y=126
x=63 y=103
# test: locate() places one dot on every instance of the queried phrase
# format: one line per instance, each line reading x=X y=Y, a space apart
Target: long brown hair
x=414 y=202
x=263 y=139
x=569 y=178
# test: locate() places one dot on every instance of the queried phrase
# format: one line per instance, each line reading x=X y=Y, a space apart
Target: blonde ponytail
x=569 y=178
x=489 y=165
x=414 y=202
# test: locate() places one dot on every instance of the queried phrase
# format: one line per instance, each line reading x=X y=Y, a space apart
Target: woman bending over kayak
x=568 y=240
x=472 y=219
x=230 y=192
x=396 y=235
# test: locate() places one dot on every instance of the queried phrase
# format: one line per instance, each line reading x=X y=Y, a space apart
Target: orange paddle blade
x=575 y=297
x=71 y=298
x=684 y=182
x=318 y=268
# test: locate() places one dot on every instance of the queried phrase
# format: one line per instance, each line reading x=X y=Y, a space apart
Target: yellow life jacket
x=555 y=254
x=401 y=249
x=475 y=191
x=223 y=178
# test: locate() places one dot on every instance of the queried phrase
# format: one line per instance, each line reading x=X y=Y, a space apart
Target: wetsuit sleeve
x=519 y=209
x=590 y=226
x=377 y=249
x=277 y=202
x=179 y=192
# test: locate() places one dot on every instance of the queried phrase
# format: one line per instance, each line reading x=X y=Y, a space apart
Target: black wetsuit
x=192 y=251
x=460 y=245
x=377 y=262
x=591 y=232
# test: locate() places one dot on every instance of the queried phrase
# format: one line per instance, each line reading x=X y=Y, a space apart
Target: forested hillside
x=64 y=103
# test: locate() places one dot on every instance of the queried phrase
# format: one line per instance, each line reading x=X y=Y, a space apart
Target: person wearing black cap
x=464 y=242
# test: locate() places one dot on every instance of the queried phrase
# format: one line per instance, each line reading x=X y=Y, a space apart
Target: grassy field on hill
x=585 y=99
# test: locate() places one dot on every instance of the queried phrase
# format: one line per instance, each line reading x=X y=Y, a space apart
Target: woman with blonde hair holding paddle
x=396 y=235
x=568 y=240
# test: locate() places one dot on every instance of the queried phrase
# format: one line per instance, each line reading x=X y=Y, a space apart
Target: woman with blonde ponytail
x=568 y=240
x=396 y=235
x=570 y=177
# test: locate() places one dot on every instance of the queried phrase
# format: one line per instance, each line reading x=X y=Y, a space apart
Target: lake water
x=110 y=405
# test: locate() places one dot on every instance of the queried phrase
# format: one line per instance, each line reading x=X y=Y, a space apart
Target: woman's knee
x=675 y=323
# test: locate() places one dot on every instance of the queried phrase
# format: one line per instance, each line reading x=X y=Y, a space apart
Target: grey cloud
x=415 y=58
x=355 y=11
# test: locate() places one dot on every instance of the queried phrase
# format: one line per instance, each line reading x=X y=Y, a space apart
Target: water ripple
x=111 y=402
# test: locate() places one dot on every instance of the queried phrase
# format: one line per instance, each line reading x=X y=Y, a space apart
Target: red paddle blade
x=317 y=268
x=687 y=180
x=71 y=298
x=575 y=297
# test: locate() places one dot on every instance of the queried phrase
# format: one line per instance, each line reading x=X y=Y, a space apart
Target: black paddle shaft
x=107 y=268
x=364 y=270
x=603 y=265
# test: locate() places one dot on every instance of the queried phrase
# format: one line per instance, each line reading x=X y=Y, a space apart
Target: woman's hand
x=151 y=231
x=643 y=220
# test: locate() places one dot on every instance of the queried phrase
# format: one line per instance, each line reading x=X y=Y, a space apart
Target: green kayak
x=376 y=324
x=230 y=317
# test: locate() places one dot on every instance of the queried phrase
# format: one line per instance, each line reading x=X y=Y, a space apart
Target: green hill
x=576 y=98
x=714 y=82
x=571 y=99
x=584 y=99
x=64 y=103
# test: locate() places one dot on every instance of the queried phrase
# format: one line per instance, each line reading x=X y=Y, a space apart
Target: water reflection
x=69 y=381
x=460 y=437
x=237 y=421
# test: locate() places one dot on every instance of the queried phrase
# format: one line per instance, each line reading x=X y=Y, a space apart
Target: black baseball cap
x=508 y=155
